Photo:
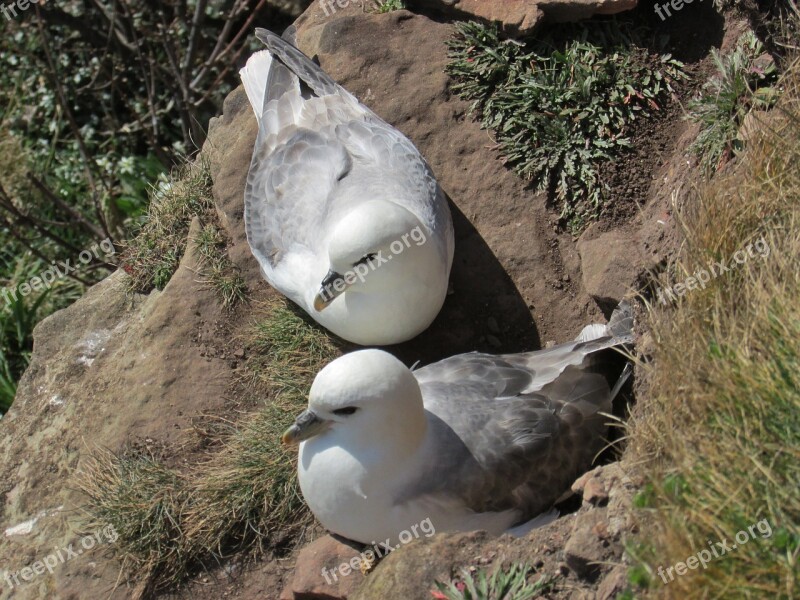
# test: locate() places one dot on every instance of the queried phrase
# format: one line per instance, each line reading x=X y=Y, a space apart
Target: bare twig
x=35 y=251
x=71 y=120
x=75 y=215
x=197 y=23
x=8 y=205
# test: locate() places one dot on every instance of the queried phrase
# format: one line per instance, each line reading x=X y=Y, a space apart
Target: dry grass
x=287 y=350
x=243 y=497
x=153 y=255
x=720 y=435
x=220 y=273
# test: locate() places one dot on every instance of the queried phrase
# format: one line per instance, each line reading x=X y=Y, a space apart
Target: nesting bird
x=341 y=211
x=474 y=441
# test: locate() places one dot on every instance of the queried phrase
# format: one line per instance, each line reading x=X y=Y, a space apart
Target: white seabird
x=342 y=212
x=472 y=442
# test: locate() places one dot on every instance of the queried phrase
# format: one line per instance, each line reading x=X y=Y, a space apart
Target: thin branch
x=36 y=252
x=238 y=7
x=75 y=215
x=194 y=33
x=7 y=204
x=62 y=99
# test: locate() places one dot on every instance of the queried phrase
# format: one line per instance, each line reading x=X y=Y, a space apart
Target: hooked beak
x=306 y=425
x=333 y=286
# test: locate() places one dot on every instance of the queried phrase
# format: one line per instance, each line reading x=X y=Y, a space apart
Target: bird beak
x=333 y=286
x=306 y=425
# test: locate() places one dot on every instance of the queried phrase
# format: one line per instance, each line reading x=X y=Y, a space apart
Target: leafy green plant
x=510 y=584
x=385 y=6
x=560 y=108
x=744 y=83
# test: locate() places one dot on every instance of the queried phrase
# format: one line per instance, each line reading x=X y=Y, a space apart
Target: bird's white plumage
x=326 y=168
x=471 y=442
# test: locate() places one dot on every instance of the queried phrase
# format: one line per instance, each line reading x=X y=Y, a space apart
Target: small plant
x=152 y=257
x=561 y=108
x=511 y=584
x=385 y=6
x=744 y=83
x=221 y=273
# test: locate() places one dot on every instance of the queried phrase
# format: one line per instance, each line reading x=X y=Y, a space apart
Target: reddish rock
x=521 y=17
x=611 y=263
x=594 y=492
x=585 y=551
x=560 y=11
x=324 y=571
x=613 y=584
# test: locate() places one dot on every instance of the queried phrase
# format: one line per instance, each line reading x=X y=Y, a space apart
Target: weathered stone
x=585 y=552
x=611 y=263
x=521 y=17
x=327 y=569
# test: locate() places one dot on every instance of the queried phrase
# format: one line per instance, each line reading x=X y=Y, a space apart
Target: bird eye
x=365 y=259
x=345 y=412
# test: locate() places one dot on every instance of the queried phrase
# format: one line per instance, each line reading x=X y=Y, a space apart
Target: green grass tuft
x=144 y=501
x=287 y=350
x=221 y=274
x=510 y=584
x=561 y=109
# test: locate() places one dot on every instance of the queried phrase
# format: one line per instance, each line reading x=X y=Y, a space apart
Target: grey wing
x=514 y=431
x=391 y=167
x=513 y=374
x=483 y=450
x=522 y=453
x=287 y=193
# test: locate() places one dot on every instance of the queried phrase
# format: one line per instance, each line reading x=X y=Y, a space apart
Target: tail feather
x=620 y=325
x=255 y=76
x=299 y=64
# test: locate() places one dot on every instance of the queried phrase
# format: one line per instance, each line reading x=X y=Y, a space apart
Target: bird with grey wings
x=341 y=210
x=474 y=441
